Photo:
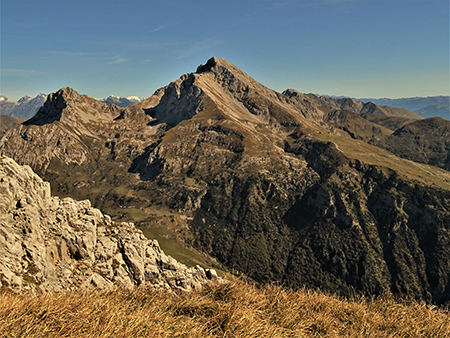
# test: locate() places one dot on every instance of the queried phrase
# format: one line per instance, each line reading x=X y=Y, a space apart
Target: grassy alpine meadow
x=234 y=309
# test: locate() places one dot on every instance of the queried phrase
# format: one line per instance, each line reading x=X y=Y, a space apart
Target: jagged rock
x=53 y=244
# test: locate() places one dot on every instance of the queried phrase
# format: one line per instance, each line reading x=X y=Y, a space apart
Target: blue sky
x=357 y=48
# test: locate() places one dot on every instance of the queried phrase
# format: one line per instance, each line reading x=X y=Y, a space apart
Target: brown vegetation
x=231 y=310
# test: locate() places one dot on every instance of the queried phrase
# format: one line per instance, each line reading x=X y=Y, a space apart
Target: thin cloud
x=157 y=29
x=117 y=60
x=136 y=45
x=165 y=25
x=20 y=72
x=107 y=58
x=77 y=55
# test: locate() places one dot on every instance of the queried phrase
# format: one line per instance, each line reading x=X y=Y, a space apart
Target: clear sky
x=357 y=48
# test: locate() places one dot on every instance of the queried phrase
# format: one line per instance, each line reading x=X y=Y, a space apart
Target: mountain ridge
x=282 y=188
x=26 y=107
x=429 y=106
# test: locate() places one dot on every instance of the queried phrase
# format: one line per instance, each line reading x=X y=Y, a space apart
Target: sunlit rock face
x=52 y=244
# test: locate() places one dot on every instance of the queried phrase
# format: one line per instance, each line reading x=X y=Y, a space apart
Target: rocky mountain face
x=52 y=244
x=285 y=187
x=25 y=108
x=385 y=116
x=65 y=119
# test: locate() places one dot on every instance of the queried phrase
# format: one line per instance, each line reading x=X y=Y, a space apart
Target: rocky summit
x=51 y=244
x=289 y=187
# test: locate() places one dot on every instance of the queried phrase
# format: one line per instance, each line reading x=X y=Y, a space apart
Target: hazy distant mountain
x=430 y=106
x=121 y=101
x=286 y=187
x=6 y=105
x=435 y=110
x=25 y=108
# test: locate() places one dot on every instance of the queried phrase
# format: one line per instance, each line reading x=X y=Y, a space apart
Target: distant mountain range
x=25 y=108
x=430 y=106
x=426 y=107
x=121 y=101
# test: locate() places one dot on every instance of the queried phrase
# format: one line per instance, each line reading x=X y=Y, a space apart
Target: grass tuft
x=235 y=309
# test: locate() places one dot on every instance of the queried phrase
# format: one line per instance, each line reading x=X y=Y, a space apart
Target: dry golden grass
x=232 y=310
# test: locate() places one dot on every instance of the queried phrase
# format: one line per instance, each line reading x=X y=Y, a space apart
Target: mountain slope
x=58 y=128
x=425 y=141
x=388 y=117
x=7 y=122
x=281 y=187
x=426 y=107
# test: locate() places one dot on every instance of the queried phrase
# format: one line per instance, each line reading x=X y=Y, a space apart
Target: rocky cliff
x=52 y=244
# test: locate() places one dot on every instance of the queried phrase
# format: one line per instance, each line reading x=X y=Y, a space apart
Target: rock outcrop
x=53 y=244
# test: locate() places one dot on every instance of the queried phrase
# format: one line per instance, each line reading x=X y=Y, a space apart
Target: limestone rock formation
x=52 y=244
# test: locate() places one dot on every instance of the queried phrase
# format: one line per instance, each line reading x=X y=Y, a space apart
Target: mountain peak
x=24 y=99
x=68 y=105
x=66 y=92
x=211 y=63
x=222 y=68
